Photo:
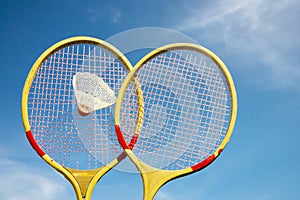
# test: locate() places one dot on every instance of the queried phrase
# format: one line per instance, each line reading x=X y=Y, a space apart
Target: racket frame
x=83 y=181
x=154 y=179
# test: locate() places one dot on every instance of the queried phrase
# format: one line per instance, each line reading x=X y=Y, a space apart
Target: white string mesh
x=72 y=140
x=187 y=109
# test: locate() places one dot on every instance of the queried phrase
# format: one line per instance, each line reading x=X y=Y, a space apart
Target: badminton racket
x=190 y=108
x=67 y=109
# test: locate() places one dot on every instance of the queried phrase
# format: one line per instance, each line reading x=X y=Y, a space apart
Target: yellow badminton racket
x=67 y=109
x=190 y=108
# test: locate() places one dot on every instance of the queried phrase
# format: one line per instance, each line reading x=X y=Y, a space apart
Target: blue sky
x=257 y=39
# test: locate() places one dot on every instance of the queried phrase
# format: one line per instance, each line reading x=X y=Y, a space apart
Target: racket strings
x=187 y=109
x=130 y=121
x=70 y=139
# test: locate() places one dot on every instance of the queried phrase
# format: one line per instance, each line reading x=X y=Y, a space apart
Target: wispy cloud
x=262 y=33
x=21 y=182
x=164 y=196
x=116 y=14
x=96 y=13
x=93 y=14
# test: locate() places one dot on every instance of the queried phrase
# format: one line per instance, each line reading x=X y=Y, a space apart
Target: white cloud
x=93 y=14
x=163 y=196
x=18 y=186
x=116 y=15
x=96 y=13
x=262 y=33
x=20 y=181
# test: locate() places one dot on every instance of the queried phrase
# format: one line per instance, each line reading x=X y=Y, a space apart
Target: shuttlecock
x=91 y=93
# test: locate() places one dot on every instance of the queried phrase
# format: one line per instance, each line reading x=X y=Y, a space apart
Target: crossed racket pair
x=172 y=113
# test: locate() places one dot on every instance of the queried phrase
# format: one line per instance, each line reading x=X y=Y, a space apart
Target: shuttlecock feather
x=91 y=92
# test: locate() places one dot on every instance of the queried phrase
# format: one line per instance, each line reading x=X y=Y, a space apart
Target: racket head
x=190 y=108
x=55 y=128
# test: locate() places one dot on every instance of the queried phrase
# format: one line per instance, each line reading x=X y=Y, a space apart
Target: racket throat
x=83 y=178
x=154 y=179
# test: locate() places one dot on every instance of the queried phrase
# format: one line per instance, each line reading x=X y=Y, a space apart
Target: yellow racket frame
x=83 y=181
x=154 y=179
